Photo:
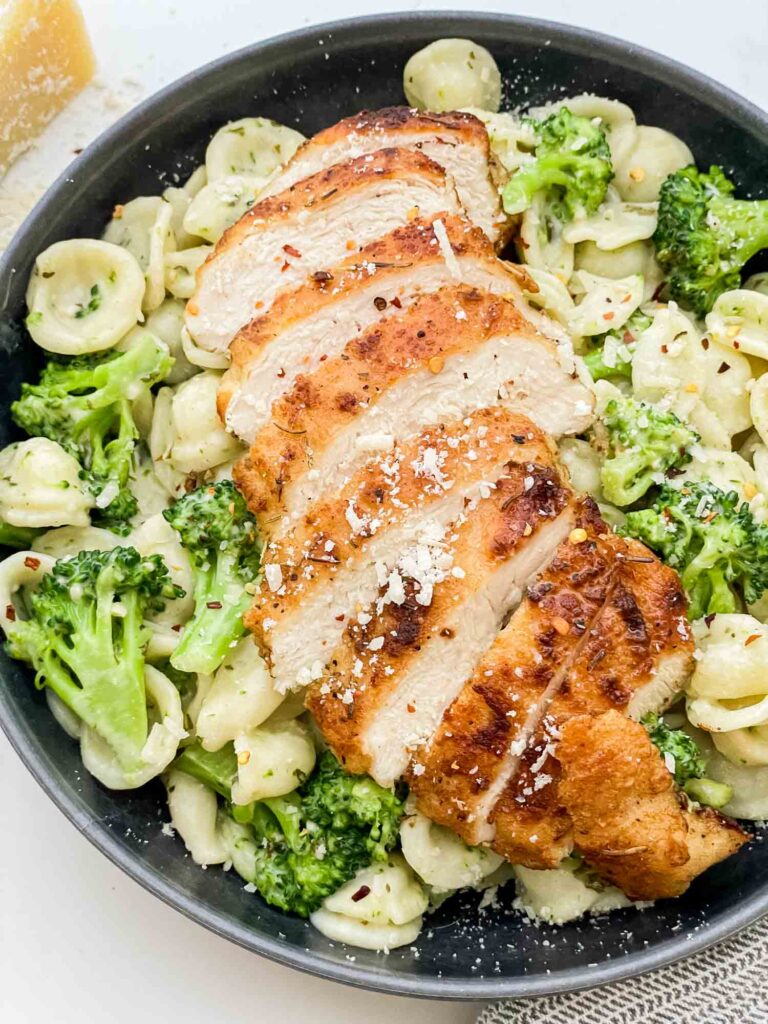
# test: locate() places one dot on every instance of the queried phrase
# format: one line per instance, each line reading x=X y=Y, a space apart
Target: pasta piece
x=180 y=198
x=635 y=258
x=166 y=323
x=452 y=73
x=194 y=810
x=615 y=224
x=748 y=781
x=63 y=715
x=668 y=366
x=512 y=139
x=758 y=407
x=541 y=243
x=252 y=146
x=380 y=908
x=179 y=269
x=187 y=434
x=725 y=408
x=739 y=321
x=221 y=204
x=241 y=697
x=606 y=304
x=642 y=167
x=758 y=282
x=272 y=760
x=560 y=894
x=725 y=469
x=441 y=859
x=729 y=687
x=21 y=570
x=552 y=296
x=143 y=228
x=156 y=537
x=150 y=492
x=40 y=486
x=584 y=465
x=66 y=541
x=83 y=296
x=160 y=748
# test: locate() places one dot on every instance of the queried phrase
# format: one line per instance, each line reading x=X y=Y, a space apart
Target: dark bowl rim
x=571 y=979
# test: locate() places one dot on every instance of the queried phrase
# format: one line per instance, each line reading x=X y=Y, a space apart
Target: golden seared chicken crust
x=628 y=821
x=362 y=679
x=448 y=352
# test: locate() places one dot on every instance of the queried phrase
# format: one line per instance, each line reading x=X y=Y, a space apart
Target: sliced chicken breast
x=282 y=240
x=393 y=676
x=331 y=565
x=636 y=656
x=317 y=320
x=628 y=821
x=483 y=736
x=453 y=351
x=457 y=141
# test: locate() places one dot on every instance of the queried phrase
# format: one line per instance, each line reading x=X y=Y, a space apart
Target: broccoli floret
x=312 y=841
x=643 y=442
x=611 y=354
x=685 y=761
x=712 y=540
x=85 y=637
x=572 y=167
x=18 y=537
x=86 y=405
x=704 y=236
x=220 y=534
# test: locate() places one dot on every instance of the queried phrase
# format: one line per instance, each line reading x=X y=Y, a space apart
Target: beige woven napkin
x=727 y=984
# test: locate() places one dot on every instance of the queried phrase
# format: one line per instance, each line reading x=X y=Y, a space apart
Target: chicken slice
x=285 y=238
x=640 y=637
x=333 y=562
x=396 y=671
x=316 y=321
x=628 y=821
x=453 y=351
x=479 y=744
x=457 y=141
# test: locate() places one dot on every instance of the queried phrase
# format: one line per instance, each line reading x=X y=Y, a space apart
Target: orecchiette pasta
x=450 y=74
x=166 y=323
x=748 y=781
x=194 y=811
x=725 y=469
x=541 y=242
x=440 y=858
x=614 y=225
x=642 y=167
x=66 y=541
x=584 y=465
x=83 y=296
x=151 y=493
x=64 y=716
x=635 y=258
x=728 y=692
x=165 y=732
x=201 y=357
x=739 y=321
x=220 y=204
x=552 y=296
x=156 y=537
x=387 y=916
x=180 y=269
x=272 y=759
x=143 y=228
x=512 y=139
x=40 y=486
x=758 y=406
x=561 y=895
x=668 y=365
x=20 y=571
x=241 y=698
x=251 y=146
x=187 y=434
x=180 y=198
x=606 y=304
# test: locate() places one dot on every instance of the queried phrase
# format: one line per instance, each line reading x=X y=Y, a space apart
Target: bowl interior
x=309 y=80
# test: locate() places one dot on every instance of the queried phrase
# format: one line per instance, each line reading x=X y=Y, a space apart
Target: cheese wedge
x=45 y=60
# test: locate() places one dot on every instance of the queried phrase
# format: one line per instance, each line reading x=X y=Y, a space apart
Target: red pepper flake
x=281 y=373
x=380 y=303
x=705 y=343
x=285 y=267
x=32 y=563
x=608 y=316
x=396 y=303
x=213 y=604
x=292 y=251
x=10 y=613
x=176 y=627
x=361 y=893
x=664 y=349
x=751 y=639
x=736 y=345
x=340 y=618
x=709 y=619
x=411 y=709
x=723 y=367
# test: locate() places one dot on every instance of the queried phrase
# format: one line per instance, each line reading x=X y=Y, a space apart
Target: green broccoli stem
x=220 y=603
x=106 y=689
x=215 y=769
x=599 y=370
x=18 y=537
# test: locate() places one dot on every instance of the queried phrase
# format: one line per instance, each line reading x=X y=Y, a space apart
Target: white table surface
x=79 y=941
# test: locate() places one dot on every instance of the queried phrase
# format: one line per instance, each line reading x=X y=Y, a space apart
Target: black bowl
x=311 y=78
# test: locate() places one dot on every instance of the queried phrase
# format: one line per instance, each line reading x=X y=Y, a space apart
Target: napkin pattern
x=727 y=984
